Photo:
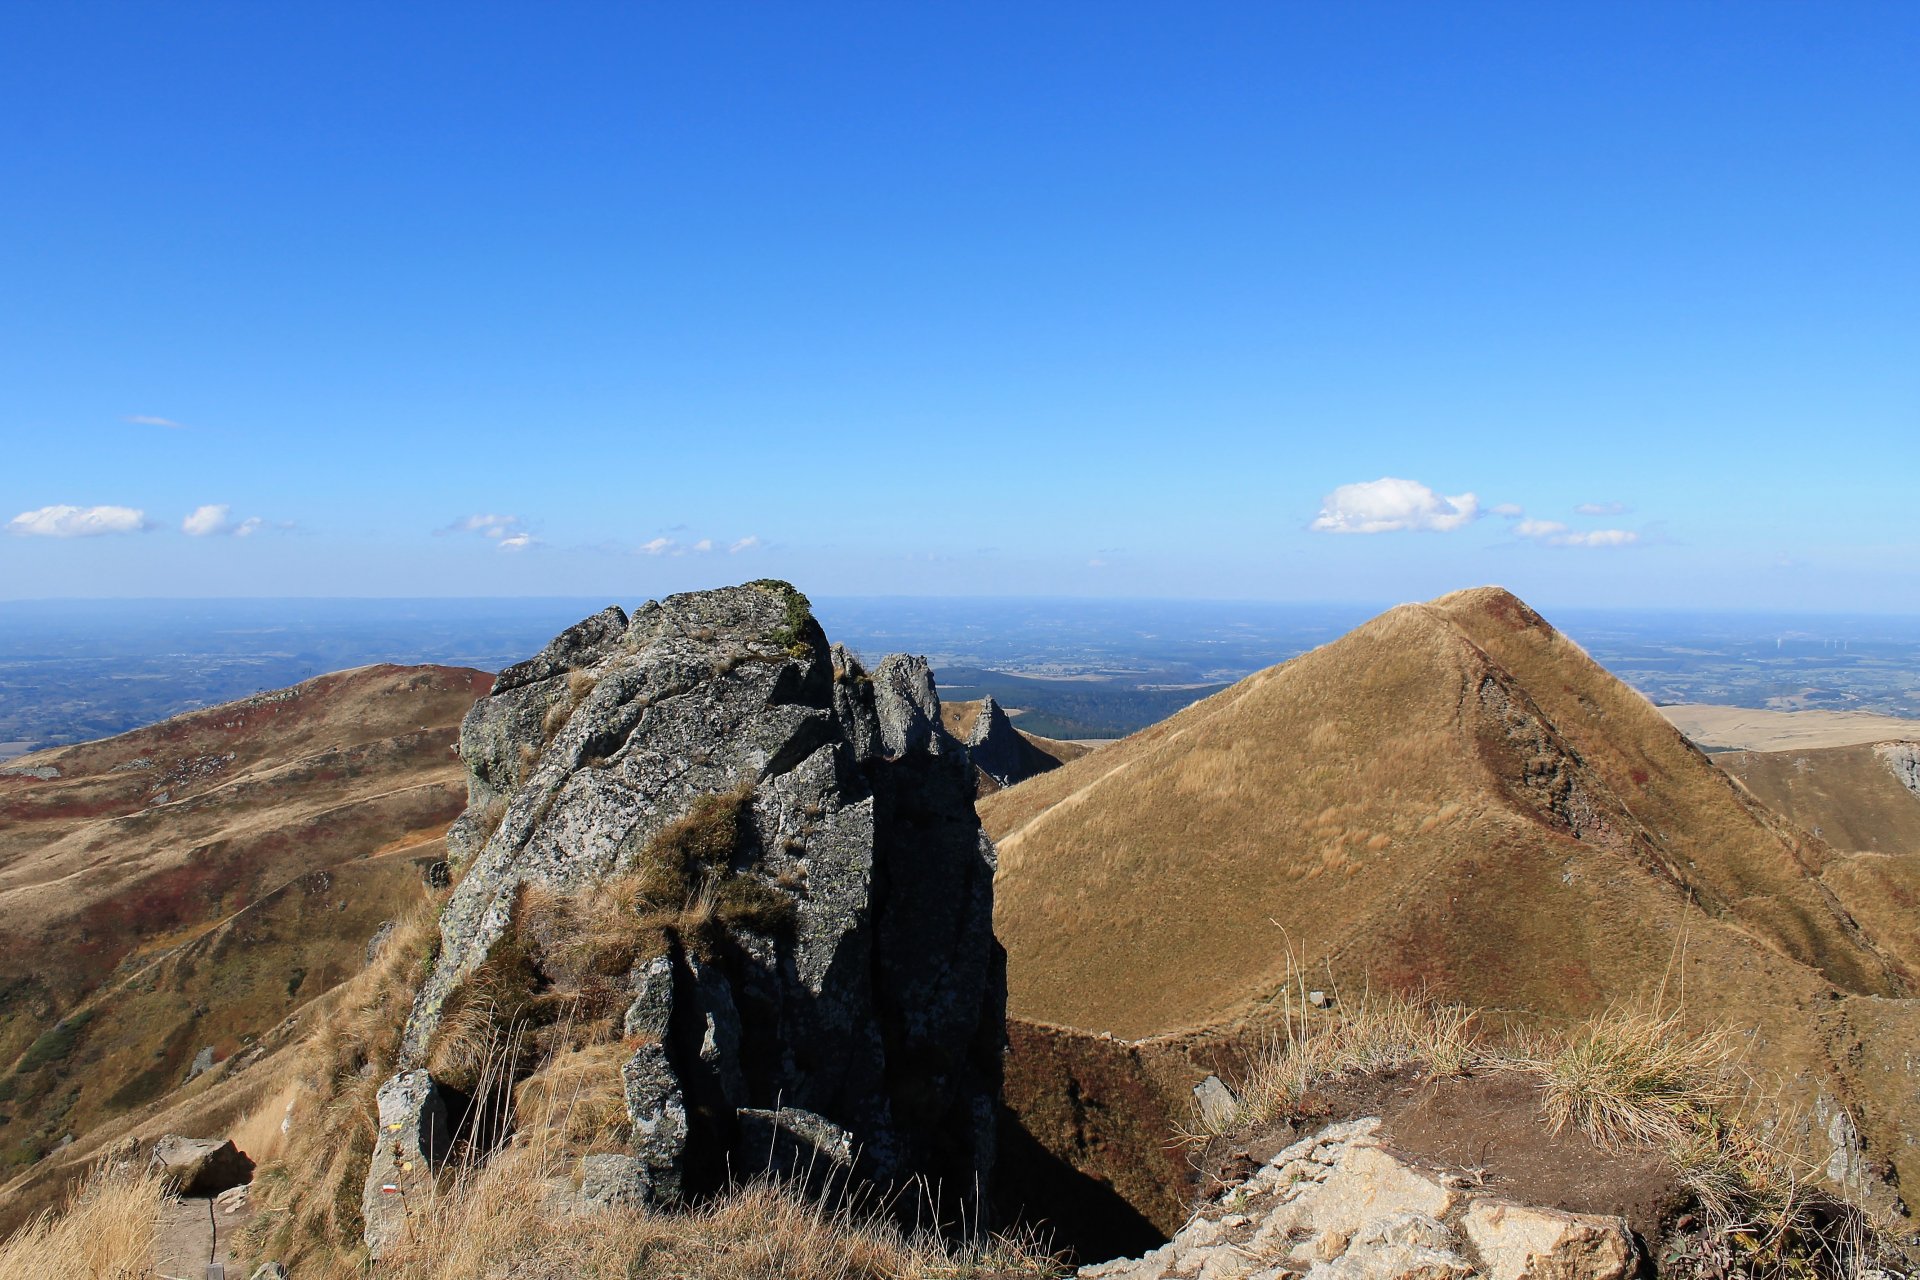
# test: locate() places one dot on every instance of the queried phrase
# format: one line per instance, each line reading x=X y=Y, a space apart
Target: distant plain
x=75 y=670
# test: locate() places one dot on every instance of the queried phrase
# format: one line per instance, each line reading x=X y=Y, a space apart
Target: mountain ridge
x=1452 y=802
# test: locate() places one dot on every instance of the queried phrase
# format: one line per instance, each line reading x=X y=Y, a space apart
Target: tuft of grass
x=576 y=1099
x=1384 y=1032
x=685 y=879
x=1308 y=1046
x=105 y=1231
x=685 y=851
x=1635 y=1078
x=490 y=819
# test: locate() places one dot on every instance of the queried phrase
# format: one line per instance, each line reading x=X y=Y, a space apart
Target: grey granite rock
x=415 y=1133
x=793 y=1144
x=659 y=1113
x=378 y=942
x=868 y=1022
x=908 y=707
x=201 y=1064
x=199 y=1166
x=614 y=1181
x=652 y=1006
x=1903 y=758
x=997 y=749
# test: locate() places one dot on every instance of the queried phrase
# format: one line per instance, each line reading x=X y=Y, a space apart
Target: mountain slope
x=1851 y=797
x=186 y=885
x=1452 y=797
x=1452 y=800
x=1864 y=801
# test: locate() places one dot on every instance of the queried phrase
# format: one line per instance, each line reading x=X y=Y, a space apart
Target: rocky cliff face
x=739 y=873
x=998 y=750
x=1904 y=759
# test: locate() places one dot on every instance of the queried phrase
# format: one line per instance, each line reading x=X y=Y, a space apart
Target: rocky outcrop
x=783 y=850
x=1904 y=759
x=999 y=750
x=1341 y=1205
x=199 y=1166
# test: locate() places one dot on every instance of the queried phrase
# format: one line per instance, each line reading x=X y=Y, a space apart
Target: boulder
x=1516 y=1242
x=1215 y=1102
x=855 y=1015
x=614 y=1181
x=199 y=1166
x=201 y=1064
x=1340 y=1205
x=415 y=1132
x=378 y=942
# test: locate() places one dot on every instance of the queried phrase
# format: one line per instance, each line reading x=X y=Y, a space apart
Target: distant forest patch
x=1069 y=708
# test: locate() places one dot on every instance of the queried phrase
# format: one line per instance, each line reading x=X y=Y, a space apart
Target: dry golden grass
x=576 y=1098
x=311 y=1195
x=1637 y=1078
x=1848 y=796
x=499 y=1220
x=130 y=914
x=1306 y=1047
x=1374 y=797
x=1628 y=1079
x=104 y=1232
x=505 y=1212
x=1397 y=801
x=262 y=1132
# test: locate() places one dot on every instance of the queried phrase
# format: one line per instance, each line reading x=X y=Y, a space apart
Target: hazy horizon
x=628 y=599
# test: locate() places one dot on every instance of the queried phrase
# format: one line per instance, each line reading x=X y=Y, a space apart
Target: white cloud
x=147 y=420
x=1600 y=508
x=1389 y=506
x=490 y=526
x=747 y=543
x=78 y=522
x=1555 y=534
x=664 y=546
x=1511 y=510
x=1598 y=538
x=207 y=521
x=215 y=520
x=506 y=532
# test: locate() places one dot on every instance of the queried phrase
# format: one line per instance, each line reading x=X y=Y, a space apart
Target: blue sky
x=1129 y=300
